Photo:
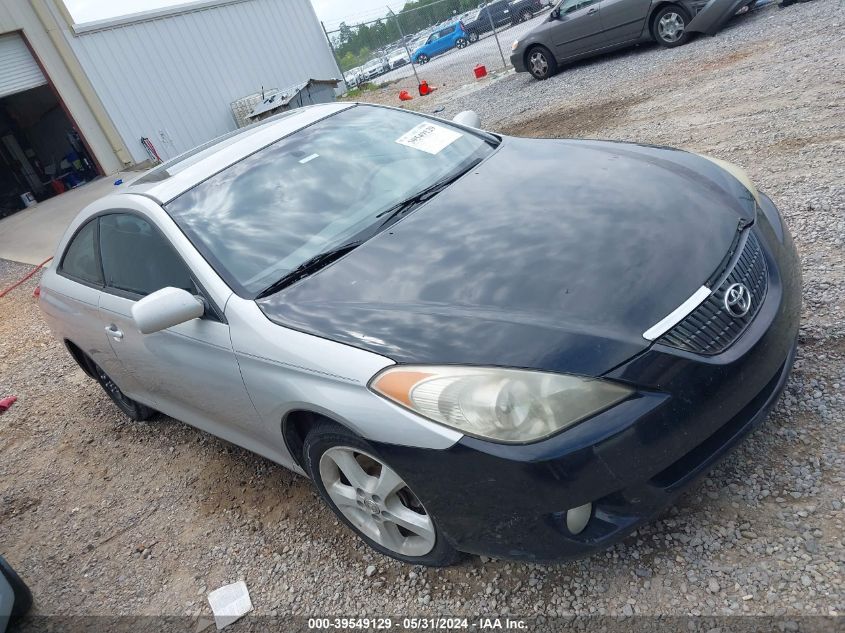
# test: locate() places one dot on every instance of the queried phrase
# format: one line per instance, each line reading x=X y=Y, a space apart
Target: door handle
x=115 y=332
x=592 y=11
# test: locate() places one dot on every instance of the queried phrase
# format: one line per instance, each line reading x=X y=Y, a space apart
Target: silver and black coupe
x=460 y=361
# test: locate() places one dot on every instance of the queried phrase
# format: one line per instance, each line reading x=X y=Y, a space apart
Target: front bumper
x=631 y=461
x=518 y=61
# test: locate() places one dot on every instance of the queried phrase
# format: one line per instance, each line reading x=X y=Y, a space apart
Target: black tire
x=422 y=58
x=132 y=408
x=675 y=33
x=548 y=61
x=22 y=594
x=326 y=435
x=461 y=42
x=472 y=36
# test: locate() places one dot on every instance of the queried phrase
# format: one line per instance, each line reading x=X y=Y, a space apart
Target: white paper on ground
x=229 y=603
x=429 y=138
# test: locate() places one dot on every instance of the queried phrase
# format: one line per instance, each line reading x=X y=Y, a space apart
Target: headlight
x=515 y=45
x=737 y=172
x=504 y=405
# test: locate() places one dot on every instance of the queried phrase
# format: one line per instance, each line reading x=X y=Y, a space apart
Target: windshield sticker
x=308 y=159
x=429 y=138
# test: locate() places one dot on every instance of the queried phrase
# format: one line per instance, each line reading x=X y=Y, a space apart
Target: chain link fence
x=444 y=43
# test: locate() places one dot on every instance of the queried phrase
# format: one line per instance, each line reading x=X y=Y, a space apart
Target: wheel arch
x=295 y=426
x=80 y=357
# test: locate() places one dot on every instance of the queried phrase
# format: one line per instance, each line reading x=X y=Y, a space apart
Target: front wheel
x=670 y=26
x=422 y=59
x=371 y=498
x=541 y=63
x=461 y=42
x=473 y=36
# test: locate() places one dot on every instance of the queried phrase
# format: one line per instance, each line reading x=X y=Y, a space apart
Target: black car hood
x=551 y=254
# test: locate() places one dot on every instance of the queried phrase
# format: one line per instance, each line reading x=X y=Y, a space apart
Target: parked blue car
x=442 y=40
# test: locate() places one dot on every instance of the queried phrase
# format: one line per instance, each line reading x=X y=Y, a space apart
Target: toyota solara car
x=462 y=358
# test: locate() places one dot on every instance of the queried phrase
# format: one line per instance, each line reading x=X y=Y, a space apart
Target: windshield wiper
x=399 y=209
x=308 y=267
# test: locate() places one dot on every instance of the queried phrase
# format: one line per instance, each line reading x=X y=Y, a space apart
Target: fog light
x=577 y=518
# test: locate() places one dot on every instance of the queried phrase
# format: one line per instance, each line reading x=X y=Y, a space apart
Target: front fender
x=715 y=14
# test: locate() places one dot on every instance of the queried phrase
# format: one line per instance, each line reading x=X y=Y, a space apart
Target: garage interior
x=41 y=153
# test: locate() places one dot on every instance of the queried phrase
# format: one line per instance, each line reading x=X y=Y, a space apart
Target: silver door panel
x=71 y=310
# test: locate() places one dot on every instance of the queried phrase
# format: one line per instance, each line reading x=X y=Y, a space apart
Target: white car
x=375 y=68
x=398 y=58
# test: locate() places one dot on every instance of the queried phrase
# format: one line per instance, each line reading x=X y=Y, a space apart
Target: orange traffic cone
x=404 y=96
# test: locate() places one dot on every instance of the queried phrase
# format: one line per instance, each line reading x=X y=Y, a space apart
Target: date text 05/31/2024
x=417 y=624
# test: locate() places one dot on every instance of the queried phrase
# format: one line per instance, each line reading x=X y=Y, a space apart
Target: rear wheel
x=370 y=497
x=541 y=63
x=670 y=26
x=132 y=408
x=422 y=58
x=473 y=36
x=461 y=42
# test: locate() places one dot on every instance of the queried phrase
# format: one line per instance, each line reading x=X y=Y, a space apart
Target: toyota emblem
x=738 y=300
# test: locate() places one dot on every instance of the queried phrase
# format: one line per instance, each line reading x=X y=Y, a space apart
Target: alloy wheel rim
x=377 y=501
x=671 y=27
x=461 y=43
x=539 y=65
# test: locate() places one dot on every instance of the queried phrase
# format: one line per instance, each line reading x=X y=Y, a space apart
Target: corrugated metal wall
x=172 y=78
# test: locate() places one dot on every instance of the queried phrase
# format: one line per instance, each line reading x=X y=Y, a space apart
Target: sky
x=332 y=12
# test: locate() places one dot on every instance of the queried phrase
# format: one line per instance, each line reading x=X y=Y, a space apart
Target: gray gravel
x=105 y=516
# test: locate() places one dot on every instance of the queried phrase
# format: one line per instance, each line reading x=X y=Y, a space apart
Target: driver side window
x=570 y=6
x=137 y=259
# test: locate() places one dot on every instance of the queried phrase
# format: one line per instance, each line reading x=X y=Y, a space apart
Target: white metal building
x=79 y=99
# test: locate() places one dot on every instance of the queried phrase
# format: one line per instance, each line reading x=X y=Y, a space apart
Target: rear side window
x=138 y=259
x=447 y=31
x=80 y=259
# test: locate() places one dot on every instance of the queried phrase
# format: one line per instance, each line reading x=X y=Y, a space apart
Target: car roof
x=170 y=180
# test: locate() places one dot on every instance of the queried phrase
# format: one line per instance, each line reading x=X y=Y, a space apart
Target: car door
x=188 y=371
x=444 y=40
x=624 y=20
x=70 y=297
x=577 y=28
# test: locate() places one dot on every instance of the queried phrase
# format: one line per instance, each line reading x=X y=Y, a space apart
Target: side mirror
x=165 y=308
x=555 y=14
x=469 y=118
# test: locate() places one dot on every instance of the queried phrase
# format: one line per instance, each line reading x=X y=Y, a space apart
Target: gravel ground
x=105 y=516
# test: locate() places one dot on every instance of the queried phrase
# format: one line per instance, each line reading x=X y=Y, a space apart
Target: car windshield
x=322 y=187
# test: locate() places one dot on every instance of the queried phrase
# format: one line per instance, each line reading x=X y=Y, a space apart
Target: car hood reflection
x=554 y=255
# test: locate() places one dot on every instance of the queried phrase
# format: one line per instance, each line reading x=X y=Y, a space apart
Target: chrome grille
x=710 y=329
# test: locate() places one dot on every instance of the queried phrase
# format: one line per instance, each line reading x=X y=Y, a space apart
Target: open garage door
x=18 y=69
x=41 y=151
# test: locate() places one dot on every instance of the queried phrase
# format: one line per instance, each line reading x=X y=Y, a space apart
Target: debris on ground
x=229 y=603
